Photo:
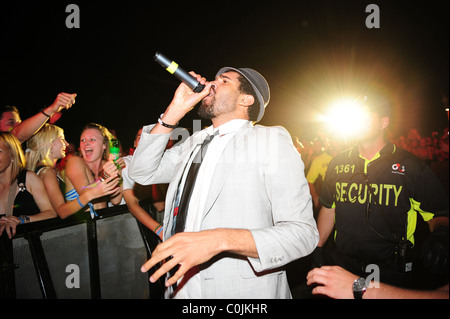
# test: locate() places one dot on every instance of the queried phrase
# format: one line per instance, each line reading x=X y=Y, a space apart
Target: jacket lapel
x=233 y=149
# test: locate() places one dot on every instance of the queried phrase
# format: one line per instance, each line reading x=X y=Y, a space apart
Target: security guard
x=383 y=203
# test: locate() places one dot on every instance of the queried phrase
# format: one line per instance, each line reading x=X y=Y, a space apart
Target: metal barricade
x=79 y=258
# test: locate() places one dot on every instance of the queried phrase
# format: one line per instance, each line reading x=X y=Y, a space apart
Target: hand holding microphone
x=173 y=68
x=196 y=88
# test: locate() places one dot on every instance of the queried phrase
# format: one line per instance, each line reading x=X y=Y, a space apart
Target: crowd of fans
x=428 y=148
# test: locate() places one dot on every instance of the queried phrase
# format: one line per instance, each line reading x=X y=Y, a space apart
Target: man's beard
x=213 y=108
x=206 y=110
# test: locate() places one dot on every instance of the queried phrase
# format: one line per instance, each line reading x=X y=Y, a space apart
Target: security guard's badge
x=398 y=169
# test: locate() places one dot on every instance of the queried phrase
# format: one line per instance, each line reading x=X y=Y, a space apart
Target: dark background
x=310 y=52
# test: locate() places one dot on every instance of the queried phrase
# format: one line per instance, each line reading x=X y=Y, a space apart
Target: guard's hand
x=332 y=281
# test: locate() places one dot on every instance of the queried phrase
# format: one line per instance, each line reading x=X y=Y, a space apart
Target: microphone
x=178 y=72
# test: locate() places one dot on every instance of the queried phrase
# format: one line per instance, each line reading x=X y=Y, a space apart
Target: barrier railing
x=79 y=257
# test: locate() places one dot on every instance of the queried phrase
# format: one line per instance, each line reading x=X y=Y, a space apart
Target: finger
x=148 y=264
x=164 y=269
x=113 y=174
x=315 y=271
x=116 y=192
x=120 y=162
x=327 y=268
x=157 y=257
x=205 y=92
x=110 y=165
x=319 y=290
x=180 y=273
x=13 y=228
x=113 y=192
x=8 y=232
x=65 y=104
x=113 y=184
x=66 y=100
x=198 y=77
x=316 y=278
x=111 y=180
x=110 y=189
x=159 y=254
x=194 y=74
x=110 y=170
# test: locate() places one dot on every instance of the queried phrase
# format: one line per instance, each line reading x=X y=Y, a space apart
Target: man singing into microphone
x=238 y=207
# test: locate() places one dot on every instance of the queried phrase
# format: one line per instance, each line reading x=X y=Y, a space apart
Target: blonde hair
x=40 y=144
x=15 y=149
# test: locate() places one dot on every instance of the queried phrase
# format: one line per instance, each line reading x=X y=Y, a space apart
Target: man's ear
x=247 y=100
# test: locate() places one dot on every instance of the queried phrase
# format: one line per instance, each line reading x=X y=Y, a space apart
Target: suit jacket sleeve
x=294 y=234
x=151 y=162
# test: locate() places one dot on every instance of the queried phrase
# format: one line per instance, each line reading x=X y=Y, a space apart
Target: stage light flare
x=346 y=118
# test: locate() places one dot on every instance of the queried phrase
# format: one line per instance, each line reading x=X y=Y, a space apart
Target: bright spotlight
x=346 y=118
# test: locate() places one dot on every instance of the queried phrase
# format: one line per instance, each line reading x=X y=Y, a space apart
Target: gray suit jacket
x=259 y=184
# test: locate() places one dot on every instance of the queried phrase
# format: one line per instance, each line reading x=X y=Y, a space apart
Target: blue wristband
x=93 y=212
x=91 y=208
x=79 y=202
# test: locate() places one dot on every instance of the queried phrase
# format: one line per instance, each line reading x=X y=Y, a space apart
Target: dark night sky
x=309 y=51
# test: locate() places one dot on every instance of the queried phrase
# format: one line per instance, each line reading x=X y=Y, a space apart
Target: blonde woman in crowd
x=95 y=165
x=23 y=198
x=44 y=149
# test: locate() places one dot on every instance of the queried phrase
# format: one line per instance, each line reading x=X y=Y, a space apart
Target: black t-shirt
x=377 y=202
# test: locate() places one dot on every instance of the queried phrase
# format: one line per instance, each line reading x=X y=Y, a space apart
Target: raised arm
x=31 y=125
